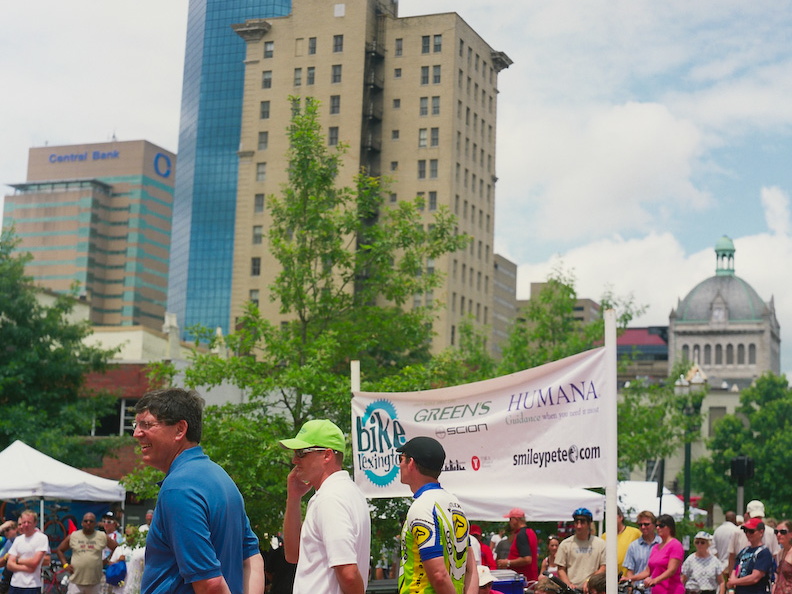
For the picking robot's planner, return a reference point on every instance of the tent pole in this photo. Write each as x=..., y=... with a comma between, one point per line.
x=611, y=564
x=41, y=514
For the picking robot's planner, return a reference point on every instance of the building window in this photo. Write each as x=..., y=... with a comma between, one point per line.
x=394, y=135
x=258, y=203
x=438, y=43
x=332, y=135
x=751, y=354
x=422, y=169
x=257, y=234
x=397, y=73
x=432, y=200
x=394, y=165
x=461, y=48
x=253, y=297
x=425, y=44
x=261, y=172
x=338, y=43
x=255, y=266
x=718, y=354
x=396, y=103
x=263, y=141
x=729, y=354
x=269, y=49
x=435, y=137
x=707, y=354
x=422, y=138
x=297, y=77
x=266, y=79
x=436, y=74
x=424, y=75
x=399, y=47
x=335, y=104
x=433, y=165
x=424, y=106
x=336, y=75
x=394, y=198
x=264, y=112
x=740, y=354
x=435, y=105
x=310, y=75
x=311, y=45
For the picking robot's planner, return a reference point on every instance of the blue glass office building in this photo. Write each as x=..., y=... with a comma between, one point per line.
x=202, y=246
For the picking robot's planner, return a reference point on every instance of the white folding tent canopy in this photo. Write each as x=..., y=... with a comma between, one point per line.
x=546, y=504
x=29, y=473
x=637, y=496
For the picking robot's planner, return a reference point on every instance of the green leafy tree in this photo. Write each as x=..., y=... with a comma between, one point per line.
x=654, y=420
x=761, y=428
x=349, y=265
x=43, y=365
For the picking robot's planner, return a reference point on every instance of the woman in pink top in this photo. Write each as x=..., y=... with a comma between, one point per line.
x=663, y=573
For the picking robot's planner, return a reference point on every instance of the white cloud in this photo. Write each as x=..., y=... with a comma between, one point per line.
x=776, y=205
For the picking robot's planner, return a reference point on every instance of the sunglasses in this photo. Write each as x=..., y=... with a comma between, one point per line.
x=660, y=525
x=644, y=524
x=305, y=451
x=748, y=530
x=781, y=531
x=701, y=542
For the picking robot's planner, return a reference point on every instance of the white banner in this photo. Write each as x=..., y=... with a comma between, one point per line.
x=504, y=438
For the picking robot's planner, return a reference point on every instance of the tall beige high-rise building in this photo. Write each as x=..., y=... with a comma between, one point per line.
x=414, y=98
x=99, y=215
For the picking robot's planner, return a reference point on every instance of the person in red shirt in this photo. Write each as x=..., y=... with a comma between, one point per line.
x=487, y=557
x=523, y=555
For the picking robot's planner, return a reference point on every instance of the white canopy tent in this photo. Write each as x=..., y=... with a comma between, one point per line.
x=29, y=473
x=548, y=504
x=637, y=496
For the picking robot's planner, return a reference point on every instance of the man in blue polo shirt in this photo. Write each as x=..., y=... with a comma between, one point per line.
x=200, y=539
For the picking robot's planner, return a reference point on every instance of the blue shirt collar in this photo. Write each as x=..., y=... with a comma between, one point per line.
x=426, y=487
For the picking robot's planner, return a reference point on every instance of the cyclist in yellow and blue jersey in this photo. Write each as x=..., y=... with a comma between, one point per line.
x=436, y=558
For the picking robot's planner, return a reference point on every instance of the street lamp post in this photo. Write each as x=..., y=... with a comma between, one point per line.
x=689, y=389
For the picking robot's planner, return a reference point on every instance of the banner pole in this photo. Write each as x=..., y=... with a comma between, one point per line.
x=355, y=375
x=611, y=555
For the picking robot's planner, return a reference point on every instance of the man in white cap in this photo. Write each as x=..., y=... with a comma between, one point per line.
x=754, y=509
x=331, y=547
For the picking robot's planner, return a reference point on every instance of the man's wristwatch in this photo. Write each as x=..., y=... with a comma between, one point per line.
x=508, y=563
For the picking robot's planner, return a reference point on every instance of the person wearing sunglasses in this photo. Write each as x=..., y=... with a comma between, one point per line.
x=702, y=572
x=783, y=533
x=663, y=571
x=331, y=547
x=754, y=565
x=637, y=556
x=200, y=539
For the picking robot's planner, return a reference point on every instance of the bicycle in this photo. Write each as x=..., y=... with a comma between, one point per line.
x=54, y=580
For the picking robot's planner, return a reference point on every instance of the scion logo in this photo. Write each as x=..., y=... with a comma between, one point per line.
x=379, y=433
x=442, y=432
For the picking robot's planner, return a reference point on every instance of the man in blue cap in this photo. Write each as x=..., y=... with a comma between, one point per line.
x=331, y=547
x=582, y=554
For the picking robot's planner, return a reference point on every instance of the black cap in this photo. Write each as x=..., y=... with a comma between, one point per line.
x=426, y=451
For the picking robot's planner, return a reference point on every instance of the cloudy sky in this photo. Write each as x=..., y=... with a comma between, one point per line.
x=632, y=134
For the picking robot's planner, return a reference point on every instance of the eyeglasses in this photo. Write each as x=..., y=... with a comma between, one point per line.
x=644, y=524
x=661, y=526
x=748, y=530
x=305, y=451
x=781, y=531
x=144, y=425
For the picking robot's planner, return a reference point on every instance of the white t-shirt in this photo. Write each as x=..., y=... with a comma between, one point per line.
x=25, y=547
x=336, y=531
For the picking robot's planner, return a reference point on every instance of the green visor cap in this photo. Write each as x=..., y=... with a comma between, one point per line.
x=319, y=433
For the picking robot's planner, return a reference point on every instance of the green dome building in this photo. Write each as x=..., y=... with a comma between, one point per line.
x=725, y=327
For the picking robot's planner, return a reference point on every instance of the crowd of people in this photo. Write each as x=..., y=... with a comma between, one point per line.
x=199, y=538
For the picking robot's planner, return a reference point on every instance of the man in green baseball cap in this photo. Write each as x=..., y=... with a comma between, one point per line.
x=332, y=545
